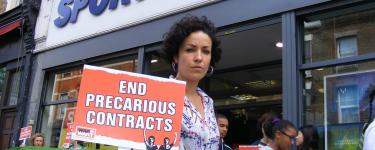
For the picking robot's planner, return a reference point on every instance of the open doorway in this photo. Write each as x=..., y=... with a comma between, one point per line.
x=248, y=80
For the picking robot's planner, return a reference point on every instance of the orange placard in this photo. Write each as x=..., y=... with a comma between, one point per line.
x=26, y=132
x=248, y=147
x=125, y=109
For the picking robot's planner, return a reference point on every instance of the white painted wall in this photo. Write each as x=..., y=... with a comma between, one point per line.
x=48, y=35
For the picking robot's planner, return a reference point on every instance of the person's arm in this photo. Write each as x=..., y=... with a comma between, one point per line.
x=144, y=135
x=175, y=138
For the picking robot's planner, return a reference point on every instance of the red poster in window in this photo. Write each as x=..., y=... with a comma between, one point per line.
x=65, y=132
x=26, y=132
x=127, y=109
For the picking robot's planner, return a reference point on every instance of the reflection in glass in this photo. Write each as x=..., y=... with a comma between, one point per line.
x=338, y=102
x=263, y=84
x=340, y=36
x=52, y=123
x=13, y=88
x=158, y=66
x=66, y=84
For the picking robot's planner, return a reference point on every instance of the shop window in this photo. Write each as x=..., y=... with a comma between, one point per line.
x=307, y=47
x=53, y=117
x=338, y=103
x=329, y=40
x=9, y=87
x=346, y=47
x=63, y=85
x=156, y=65
x=13, y=87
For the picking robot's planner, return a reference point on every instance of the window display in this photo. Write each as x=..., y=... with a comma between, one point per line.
x=61, y=98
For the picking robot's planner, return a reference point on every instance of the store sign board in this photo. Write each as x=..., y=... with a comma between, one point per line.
x=73, y=20
x=26, y=132
x=123, y=109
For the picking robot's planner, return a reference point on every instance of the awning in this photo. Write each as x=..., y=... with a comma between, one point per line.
x=9, y=27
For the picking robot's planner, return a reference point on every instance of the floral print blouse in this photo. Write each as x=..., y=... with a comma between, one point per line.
x=199, y=133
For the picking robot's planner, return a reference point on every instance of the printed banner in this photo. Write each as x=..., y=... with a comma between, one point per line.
x=128, y=110
x=26, y=132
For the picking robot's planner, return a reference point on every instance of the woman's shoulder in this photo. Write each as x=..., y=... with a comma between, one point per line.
x=206, y=98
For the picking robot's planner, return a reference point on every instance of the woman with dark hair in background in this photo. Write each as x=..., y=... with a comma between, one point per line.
x=193, y=51
x=281, y=132
x=310, y=138
x=263, y=142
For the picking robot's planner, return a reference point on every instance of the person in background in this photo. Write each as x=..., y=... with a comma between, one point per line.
x=264, y=141
x=369, y=136
x=299, y=138
x=37, y=140
x=281, y=132
x=223, y=124
x=309, y=139
x=192, y=49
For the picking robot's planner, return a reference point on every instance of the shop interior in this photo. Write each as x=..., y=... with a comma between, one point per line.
x=247, y=81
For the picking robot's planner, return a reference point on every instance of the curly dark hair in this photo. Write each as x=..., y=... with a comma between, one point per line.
x=182, y=29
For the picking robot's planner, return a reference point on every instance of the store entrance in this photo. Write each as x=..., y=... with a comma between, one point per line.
x=248, y=78
x=247, y=81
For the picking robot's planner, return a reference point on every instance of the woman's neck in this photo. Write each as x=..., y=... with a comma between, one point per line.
x=191, y=86
x=191, y=89
x=273, y=145
x=265, y=140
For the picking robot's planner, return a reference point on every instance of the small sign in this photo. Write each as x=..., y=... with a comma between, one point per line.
x=249, y=147
x=26, y=132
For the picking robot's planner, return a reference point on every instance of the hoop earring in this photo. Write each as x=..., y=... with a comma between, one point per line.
x=210, y=71
x=174, y=67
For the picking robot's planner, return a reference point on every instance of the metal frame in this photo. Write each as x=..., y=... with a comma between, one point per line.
x=290, y=71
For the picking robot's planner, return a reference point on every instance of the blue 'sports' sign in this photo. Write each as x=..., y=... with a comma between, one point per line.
x=68, y=14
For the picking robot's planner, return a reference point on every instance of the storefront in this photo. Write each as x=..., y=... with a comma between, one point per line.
x=307, y=61
x=17, y=24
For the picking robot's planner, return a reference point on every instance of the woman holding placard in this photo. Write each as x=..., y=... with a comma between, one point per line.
x=193, y=50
